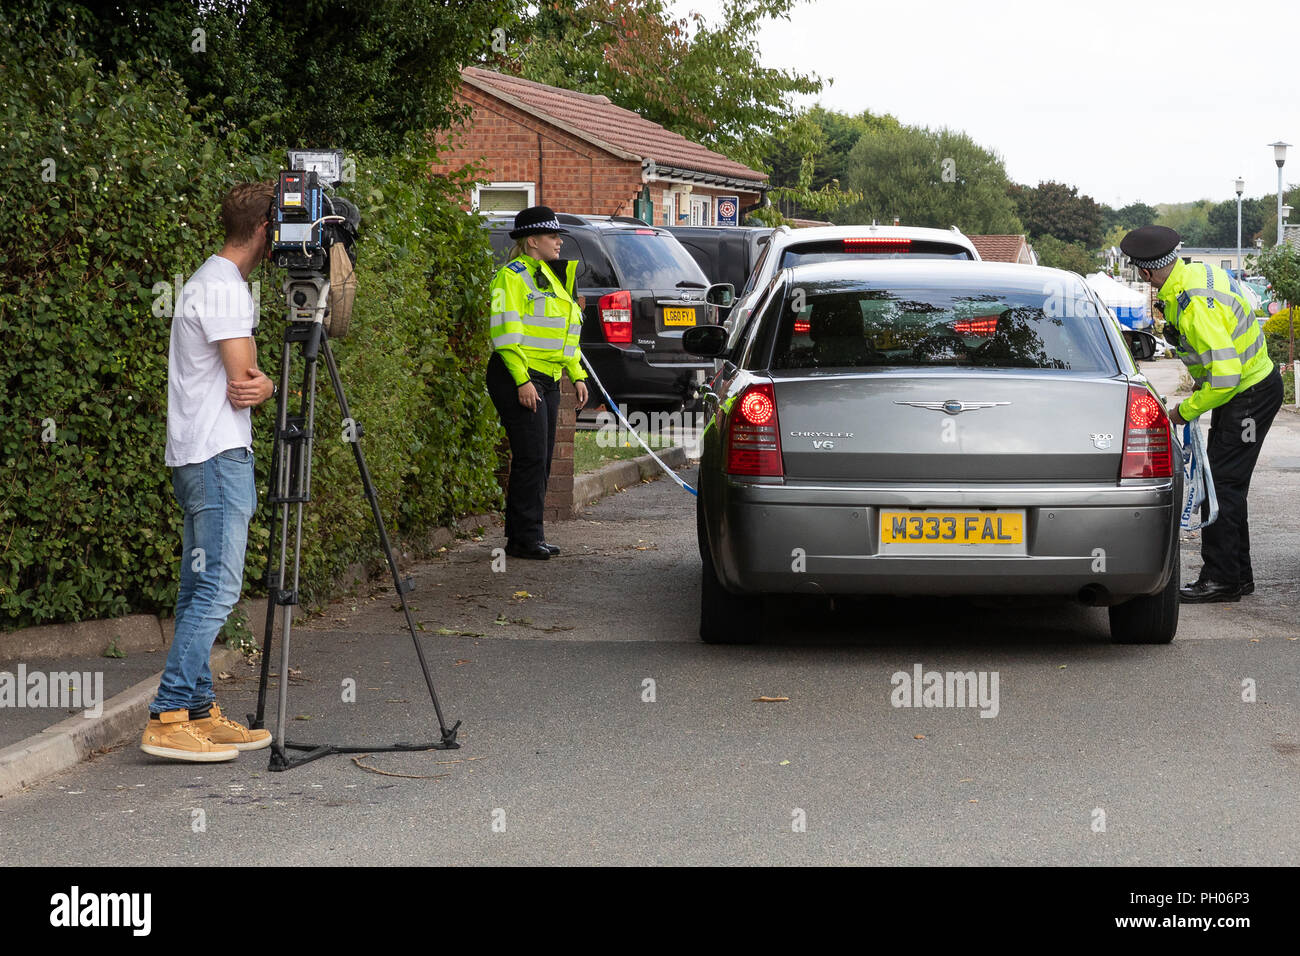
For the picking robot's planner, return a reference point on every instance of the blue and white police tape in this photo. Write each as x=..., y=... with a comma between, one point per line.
x=1198, y=482
x=610, y=404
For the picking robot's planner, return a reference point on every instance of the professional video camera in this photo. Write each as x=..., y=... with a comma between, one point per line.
x=314, y=239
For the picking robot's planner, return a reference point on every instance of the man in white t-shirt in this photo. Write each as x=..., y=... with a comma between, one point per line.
x=212, y=384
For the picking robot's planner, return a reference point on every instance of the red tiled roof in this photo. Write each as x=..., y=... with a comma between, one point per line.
x=998, y=248
x=599, y=121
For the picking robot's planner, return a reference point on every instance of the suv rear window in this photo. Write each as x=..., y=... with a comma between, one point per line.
x=864, y=328
x=651, y=260
x=833, y=250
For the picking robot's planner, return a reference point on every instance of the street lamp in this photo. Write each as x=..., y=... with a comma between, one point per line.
x=1286, y=216
x=1241, y=186
x=1279, y=157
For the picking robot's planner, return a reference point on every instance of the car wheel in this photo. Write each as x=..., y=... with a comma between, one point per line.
x=1152, y=619
x=725, y=618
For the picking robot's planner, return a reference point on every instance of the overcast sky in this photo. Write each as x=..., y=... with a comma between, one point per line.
x=1064, y=95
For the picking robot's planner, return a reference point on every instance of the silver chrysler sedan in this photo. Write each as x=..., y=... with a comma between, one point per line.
x=921, y=427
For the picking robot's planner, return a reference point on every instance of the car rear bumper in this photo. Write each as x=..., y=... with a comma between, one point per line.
x=1102, y=543
x=631, y=378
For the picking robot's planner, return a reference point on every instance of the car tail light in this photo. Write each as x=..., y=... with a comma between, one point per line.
x=753, y=436
x=802, y=326
x=877, y=244
x=976, y=327
x=1147, y=450
x=616, y=317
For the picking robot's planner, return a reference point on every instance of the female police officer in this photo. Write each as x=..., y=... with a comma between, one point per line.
x=536, y=319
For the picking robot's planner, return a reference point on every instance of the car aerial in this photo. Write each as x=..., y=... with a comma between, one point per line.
x=785, y=248
x=642, y=291
x=914, y=428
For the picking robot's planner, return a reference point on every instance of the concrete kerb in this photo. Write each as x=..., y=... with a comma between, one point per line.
x=608, y=479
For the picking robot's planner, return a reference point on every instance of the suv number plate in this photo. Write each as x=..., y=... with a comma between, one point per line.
x=679, y=316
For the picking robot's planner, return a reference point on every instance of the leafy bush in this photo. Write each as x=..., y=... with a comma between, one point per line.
x=1277, y=335
x=112, y=186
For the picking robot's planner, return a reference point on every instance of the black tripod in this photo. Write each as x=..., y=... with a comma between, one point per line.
x=307, y=297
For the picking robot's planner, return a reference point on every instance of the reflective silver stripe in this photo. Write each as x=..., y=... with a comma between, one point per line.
x=503, y=339
x=550, y=321
x=1214, y=355
x=570, y=350
x=544, y=342
x=538, y=298
x=501, y=318
x=1224, y=381
x=1250, y=350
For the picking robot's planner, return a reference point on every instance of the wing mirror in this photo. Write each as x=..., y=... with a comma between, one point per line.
x=706, y=341
x=721, y=294
x=1142, y=345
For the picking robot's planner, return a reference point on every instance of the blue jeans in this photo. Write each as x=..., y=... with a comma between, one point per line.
x=218, y=497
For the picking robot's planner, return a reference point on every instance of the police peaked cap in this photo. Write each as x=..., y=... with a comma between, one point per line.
x=1151, y=247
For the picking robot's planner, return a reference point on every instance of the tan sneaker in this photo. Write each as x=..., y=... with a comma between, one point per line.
x=175, y=736
x=224, y=731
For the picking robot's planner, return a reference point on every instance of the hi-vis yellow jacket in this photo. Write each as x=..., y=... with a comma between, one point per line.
x=536, y=321
x=1221, y=343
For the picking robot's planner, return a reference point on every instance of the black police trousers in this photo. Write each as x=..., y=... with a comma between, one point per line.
x=532, y=442
x=1237, y=430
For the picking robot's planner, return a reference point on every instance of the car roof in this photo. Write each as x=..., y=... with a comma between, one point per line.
x=938, y=272
x=923, y=233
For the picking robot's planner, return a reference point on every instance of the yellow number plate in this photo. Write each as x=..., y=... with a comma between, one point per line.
x=952, y=527
x=679, y=316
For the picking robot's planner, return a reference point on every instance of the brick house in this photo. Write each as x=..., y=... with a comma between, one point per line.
x=579, y=153
x=1004, y=249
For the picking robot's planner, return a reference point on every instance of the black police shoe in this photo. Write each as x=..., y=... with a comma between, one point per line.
x=1247, y=587
x=551, y=548
x=533, y=552
x=1209, y=592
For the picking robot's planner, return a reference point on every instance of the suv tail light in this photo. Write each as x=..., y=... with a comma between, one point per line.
x=753, y=436
x=616, y=317
x=1147, y=451
x=977, y=328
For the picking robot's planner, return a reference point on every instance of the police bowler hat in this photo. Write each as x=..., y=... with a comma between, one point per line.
x=536, y=220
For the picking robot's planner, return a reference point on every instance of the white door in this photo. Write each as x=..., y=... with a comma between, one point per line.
x=700, y=212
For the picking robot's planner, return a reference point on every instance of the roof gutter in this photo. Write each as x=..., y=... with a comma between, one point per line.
x=653, y=172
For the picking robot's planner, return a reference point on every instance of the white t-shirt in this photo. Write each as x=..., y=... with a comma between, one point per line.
x=214, y=305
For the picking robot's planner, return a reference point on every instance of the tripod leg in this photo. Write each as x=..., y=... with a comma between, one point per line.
x=275, y=488
x=448, y=734
x=300, y=493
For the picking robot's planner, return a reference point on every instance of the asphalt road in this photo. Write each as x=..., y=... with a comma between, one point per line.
x=1098, y=754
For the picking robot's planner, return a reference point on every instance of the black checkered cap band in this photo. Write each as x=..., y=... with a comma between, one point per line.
x=550, y=225
x=1165, y=260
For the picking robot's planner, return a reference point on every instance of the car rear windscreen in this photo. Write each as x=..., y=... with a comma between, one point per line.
x=651, y=260
x=834, y=250
x=838, y=327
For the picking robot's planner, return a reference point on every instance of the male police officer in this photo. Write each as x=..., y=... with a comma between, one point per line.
x=1209, y=322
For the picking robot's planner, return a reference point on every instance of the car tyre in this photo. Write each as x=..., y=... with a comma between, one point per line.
x=725, y=618
x=1152, y=619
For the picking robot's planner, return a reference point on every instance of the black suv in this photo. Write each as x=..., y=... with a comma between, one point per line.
x=725, y=253
x=643, y=290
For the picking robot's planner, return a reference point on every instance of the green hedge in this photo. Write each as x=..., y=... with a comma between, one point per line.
x=88, y=524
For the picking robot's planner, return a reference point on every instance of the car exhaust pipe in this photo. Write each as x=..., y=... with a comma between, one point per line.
x=1094, y=595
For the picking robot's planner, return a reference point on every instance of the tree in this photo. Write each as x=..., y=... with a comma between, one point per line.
x=929, y=178
x=808, y=158
x=704, y=81
x=1191, y=220
x=359, y=76
x=1055, y=209
x=1133, y=216
x=1071, y=256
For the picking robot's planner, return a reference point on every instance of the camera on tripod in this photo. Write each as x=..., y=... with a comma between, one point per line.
x=314, y=238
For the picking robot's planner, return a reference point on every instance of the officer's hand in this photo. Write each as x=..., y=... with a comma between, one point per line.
x=581, y=389
x=1171, y=334
x=528, y=396
x=1175, y=418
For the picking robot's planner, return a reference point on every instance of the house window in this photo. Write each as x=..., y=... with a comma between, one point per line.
x=503, y=197
x=700, y=212
x=1225, y=264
